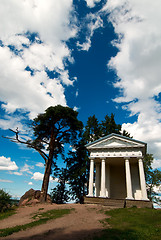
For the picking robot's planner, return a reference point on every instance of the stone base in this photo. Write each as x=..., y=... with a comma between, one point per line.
x=139, y=203
x=118, y=203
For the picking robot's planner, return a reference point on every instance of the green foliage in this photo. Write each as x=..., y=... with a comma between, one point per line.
x=77, y=171
x=109, y=126
x=42, y=219
x=60, y=194
x=153, y=178
x=92, y=129
x=5, y=201
x=133, y=224
x=54, y=128
x=7, y=213
x=78, y=161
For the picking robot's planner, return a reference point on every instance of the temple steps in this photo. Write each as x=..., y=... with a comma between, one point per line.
x=117, y=203
x=114, y=203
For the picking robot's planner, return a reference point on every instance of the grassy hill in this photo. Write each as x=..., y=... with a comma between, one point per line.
x=132, y=224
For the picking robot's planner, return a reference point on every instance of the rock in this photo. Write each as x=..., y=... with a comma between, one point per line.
x=32, y=197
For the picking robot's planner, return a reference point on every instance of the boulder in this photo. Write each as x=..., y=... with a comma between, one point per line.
x=32, y=197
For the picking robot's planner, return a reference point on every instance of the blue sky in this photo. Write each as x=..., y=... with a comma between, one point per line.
x=98, y=57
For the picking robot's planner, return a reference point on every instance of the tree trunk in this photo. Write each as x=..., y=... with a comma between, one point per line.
x=48, y=166
x=45, y=183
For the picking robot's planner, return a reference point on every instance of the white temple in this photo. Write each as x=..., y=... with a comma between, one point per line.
x=116, y=168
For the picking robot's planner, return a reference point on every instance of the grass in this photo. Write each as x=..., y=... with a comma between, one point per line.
x=7, y=213
x=133, y=224
x=41, y=219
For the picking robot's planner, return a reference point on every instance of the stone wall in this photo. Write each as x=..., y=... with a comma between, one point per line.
x=118, y=203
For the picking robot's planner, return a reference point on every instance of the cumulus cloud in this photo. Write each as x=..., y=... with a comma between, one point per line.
x=137, y=65
x=39, y=176
x=23, y=170
x=7, y=164
x=32, y=45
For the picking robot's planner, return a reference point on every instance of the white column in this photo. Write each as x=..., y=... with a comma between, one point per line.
x=107, y=180
x=91, y=174
x=103, y=178
x=97, y=180
x=142, y=180
x=128, y=180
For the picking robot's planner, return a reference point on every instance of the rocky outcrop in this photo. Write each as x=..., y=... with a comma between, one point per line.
x=32, y=197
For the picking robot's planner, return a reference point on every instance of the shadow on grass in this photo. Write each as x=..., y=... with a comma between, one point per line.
x=61, y=234
x=115, y=234
x=94, y=234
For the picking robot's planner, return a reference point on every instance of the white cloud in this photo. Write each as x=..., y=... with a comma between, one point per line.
x=26, y=169
x=40, y=164
x=54, y=23
x=30, y=183
x=156, y=164
x=16, y=173
x=94, y=22
x=77, y=93
x=76, y=108
x=6, y=181
x=92, y=3
x=39, y=176
x=137, y=65
x=7, y=164
x=23, y=170
x=9, y=121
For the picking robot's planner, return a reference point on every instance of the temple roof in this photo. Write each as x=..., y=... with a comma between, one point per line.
x=115, y=141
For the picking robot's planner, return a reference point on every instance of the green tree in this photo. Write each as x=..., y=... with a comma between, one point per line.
x=5, y=201
x=152, y=176
x=60, y=194
x=77, y=171
x=109, y=126
x=54, y=128
x=92, y=129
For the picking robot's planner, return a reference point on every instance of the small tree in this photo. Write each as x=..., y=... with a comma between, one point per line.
x=5, y=201
x=52, y=129
x=92, y=129
x=109, y=126
x=153, y=178
x=60, y=194
x=77, y=171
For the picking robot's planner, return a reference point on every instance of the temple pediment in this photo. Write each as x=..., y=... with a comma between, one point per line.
x=115, y=141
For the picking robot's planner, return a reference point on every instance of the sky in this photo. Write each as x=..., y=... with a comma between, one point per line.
x=95, y=56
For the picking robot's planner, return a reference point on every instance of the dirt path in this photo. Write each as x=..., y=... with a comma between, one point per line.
x=82, y=223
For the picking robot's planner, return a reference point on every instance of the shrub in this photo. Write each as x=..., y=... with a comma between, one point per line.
x=5, y=201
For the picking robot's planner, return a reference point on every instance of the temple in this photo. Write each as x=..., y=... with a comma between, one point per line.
x=116, y=169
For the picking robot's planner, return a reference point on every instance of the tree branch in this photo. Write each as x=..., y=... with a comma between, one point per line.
x=28, y=143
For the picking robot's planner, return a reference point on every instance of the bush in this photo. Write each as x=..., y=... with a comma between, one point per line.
x=5, y=201
x=59, y=194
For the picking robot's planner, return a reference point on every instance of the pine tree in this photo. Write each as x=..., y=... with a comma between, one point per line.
x=54, y=128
